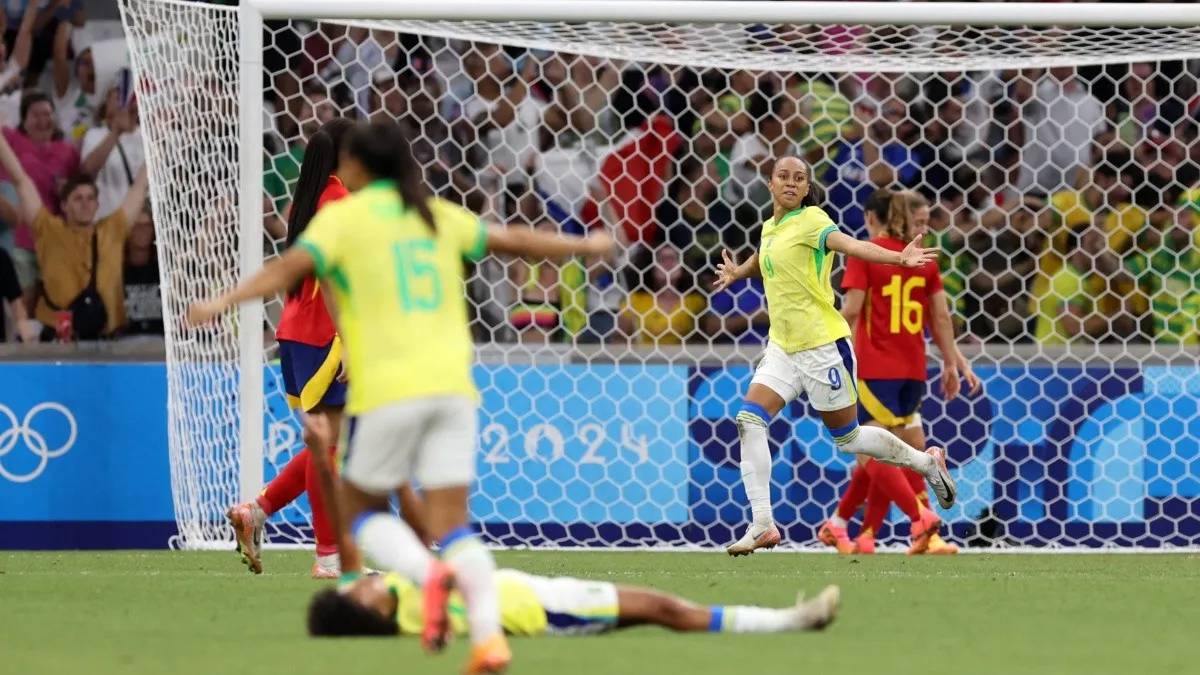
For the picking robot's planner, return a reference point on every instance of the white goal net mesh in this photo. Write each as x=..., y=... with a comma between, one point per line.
x=1063, y=171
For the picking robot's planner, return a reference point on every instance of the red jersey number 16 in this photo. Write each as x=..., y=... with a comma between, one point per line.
x=905, y=310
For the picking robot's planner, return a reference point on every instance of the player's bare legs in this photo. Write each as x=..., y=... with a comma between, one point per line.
x=644, y=606
x=760, y=405
x=470, y=566
x=321, y=487
x=886, y=447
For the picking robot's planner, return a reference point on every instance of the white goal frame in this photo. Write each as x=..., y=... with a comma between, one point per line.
x=252, y=13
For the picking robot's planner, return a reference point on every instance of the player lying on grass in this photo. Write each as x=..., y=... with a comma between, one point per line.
x=533, y=605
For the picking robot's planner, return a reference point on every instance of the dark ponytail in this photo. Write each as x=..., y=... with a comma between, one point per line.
x=384, y=151
x=320, y=161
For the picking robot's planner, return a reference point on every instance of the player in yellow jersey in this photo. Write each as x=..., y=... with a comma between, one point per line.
x=807, y=349
x=393, y=256
x=532, y=605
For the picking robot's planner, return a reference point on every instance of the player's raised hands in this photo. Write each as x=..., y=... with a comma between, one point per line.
x=727, y=271
x=914, y=255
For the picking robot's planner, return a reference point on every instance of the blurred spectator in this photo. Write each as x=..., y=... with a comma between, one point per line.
x=12, y=301
x=1061, y=121
x=12, y=74
x=67, y=247
x=1166, y=266
x=46, y=161
x=505, y=114
x=751, y=159
x=143, y=295
x=357, y=58
x=1066, y=311
x=112, y=151
x=693, y=218
x=535, y=317
x=75, y=95
x=870, y=154
x=1004, y=265
x=827, y=113
x=1141, y=106
x=284, y=168
x=632, y=175
x=738, y=314
x=664, y=308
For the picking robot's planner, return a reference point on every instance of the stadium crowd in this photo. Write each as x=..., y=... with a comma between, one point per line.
x=1065, y=200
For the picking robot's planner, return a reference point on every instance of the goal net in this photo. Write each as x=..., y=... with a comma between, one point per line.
x=1062, y=168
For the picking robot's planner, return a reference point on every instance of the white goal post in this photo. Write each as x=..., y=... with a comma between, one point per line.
x=1041, y=491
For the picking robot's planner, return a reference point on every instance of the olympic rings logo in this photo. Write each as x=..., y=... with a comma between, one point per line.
x=34, y=441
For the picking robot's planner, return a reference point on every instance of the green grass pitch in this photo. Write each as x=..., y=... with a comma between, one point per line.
x=181, y=613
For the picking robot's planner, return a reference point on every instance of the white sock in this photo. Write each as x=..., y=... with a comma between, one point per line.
x=475, y=572
x=886, y=447
x=838, y=521
x=755, y=620
x=391, y=543
x=331, y=561
x=756, y=466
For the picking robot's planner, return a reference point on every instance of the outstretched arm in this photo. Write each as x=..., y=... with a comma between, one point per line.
x=913, y=255
x=277, y=275
x=135, y=199
x=30, y=202
x=529, y=243
x=62, y=63
x=23, y=47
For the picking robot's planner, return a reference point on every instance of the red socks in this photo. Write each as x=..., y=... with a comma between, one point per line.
x=322, y=529
x=877, y=508
x=300, y=475
x=287, y=485
x=894, y=487
x=856, y=493
x=917, y=482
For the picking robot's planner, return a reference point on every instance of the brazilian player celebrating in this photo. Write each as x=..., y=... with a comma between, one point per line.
x=807, y=349
x=394, y=258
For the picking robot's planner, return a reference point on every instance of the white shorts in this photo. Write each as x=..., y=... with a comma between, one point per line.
x=574, y=606
x=828, y=374
x=429, y=440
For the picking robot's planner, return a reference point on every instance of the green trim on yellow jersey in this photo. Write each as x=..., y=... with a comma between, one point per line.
x=479, y=249
x=825, y=235
x=819, y=252
x=319, y=264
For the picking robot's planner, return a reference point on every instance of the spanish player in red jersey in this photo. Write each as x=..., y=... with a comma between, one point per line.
x=310, y=356
x=889, y=308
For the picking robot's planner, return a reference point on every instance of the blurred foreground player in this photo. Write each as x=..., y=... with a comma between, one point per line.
x=394, y=257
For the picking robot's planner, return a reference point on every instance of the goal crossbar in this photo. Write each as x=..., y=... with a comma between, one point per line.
x=669, y=11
